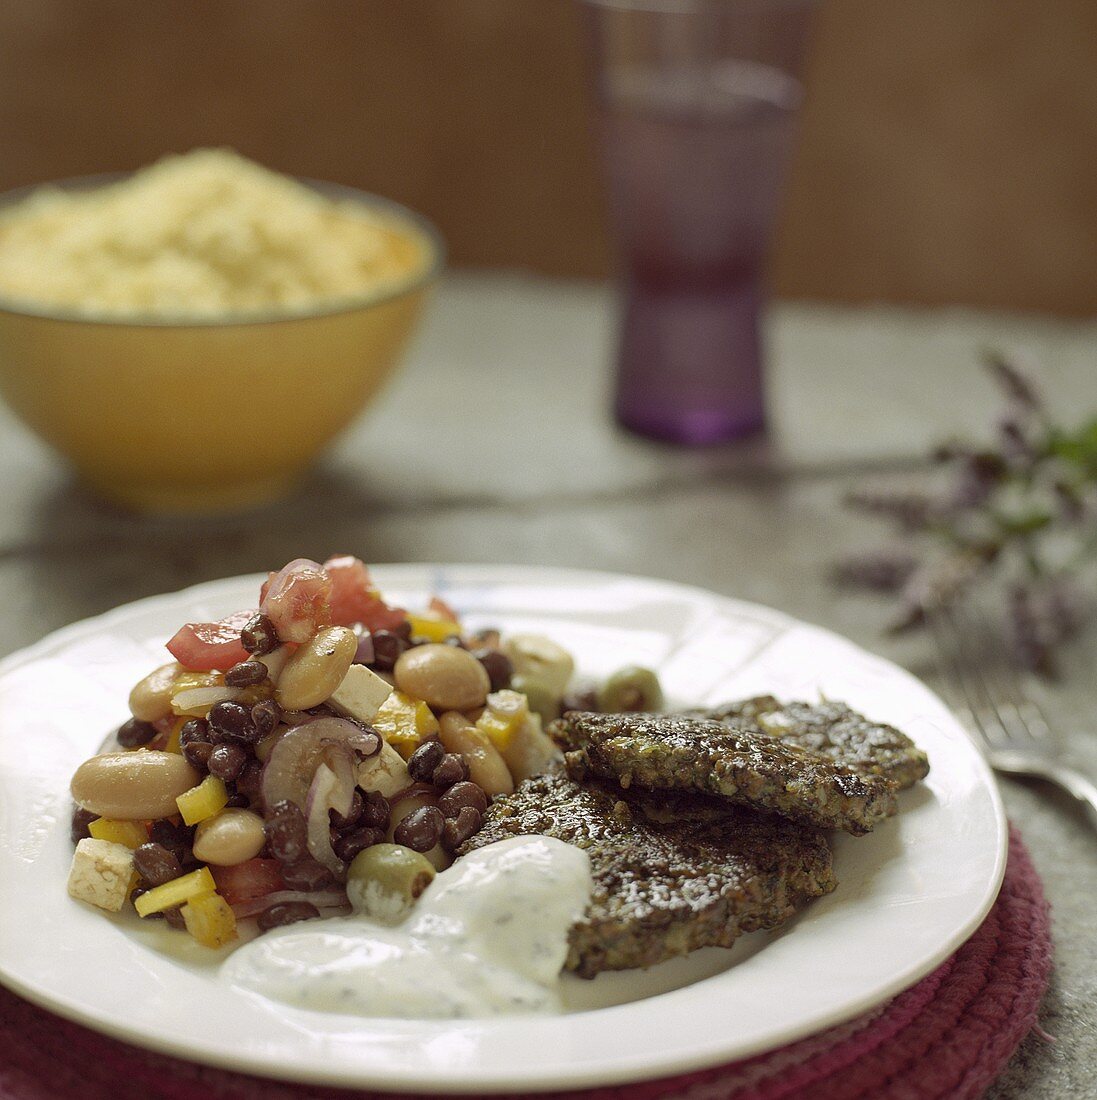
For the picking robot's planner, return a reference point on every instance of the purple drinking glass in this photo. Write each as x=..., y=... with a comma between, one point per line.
x=696, y=104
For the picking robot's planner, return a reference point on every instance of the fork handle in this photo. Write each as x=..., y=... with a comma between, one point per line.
x=1083, y=790
x=1076, y=785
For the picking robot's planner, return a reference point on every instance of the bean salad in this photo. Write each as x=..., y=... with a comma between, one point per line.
x=323, y=752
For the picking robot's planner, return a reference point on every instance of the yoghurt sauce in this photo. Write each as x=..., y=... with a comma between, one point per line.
x=487, y=938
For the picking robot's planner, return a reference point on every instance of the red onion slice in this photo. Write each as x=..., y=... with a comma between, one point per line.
x=322, y=899
x=197, y=702
x=332, y=789
x=411, y=791
x=364, y=655
x=293, y=761
x=297, y=600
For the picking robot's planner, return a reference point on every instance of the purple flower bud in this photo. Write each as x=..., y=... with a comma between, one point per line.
x=1016, y=386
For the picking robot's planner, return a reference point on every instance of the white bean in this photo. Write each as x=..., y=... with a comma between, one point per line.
x=232, y=836
x=316, y=669
x=150, y=699
x=445, y=677
x=487, y=768
x=133, y=786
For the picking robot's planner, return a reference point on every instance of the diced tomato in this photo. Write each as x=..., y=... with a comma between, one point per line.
x=211, y=647
x=251, y=879
x=354, y=599
x=297, y=600
x=349, y=579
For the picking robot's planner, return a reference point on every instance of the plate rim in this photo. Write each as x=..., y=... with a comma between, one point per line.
x=622, y=1071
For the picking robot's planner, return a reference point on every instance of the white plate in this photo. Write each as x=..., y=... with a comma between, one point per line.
x=909, y=894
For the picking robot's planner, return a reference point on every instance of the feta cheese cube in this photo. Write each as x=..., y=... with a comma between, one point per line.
x=360, y=694
x=101, y=873
x=384, y=772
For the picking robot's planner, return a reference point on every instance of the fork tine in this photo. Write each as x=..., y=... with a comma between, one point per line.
x=1002, y=680
x=970, y=641
x=1034, y=721
x=1032, y=750
x=955, y=671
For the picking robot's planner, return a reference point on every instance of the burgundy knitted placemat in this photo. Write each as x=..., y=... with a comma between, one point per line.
x=948, y=1036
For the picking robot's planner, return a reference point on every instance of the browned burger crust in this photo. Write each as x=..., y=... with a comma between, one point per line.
x=686, y=753
x=833, y=730
x=671, y=873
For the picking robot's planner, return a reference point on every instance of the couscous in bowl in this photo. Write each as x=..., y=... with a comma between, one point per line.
x=209, y=413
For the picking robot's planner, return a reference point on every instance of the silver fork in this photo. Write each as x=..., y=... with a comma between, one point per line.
x=1007, y=724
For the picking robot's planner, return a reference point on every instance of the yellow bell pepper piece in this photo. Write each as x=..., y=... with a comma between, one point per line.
x=187, y=680
x=403, y=722
x=256, y=693
x=210, y=920
x=173, y=738
x=130, y=833
x=203, y=801
x=503, y=717
x=433, y=629
x=177, y=892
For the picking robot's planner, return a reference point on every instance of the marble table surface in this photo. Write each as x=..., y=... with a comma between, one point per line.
x=494, y=444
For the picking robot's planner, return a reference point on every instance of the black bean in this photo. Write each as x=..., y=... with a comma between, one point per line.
x=424, y=760
x=266, y=715
x=458, y=829
x=194, y=729
x=134, y=733
x=259, y=636
x=403, y=631
x=174, y=917
x=176, y=838
x=286, y=912
x=197, y=754
x=350, y=844
x=453, y=768
x=231, y=721
x=81, y=819
x=421, y=829
x=307, y=874
x=245, y=674
x=376, y=810
x=155, y=864
x=460, y=795
x=238, y=801
x=497, y=665
x=250, y=781
x=226, y=761
x=342, y=822
x=287, y=833
x=387, y=648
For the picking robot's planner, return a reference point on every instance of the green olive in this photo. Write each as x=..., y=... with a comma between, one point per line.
x=630, y=689
x=541, y=698
x=538, y=656
x=385, y=880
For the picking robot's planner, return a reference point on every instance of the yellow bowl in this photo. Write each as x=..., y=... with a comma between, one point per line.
x=208, y=416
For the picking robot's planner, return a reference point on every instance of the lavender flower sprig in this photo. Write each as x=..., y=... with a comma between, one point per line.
x=1018, y=518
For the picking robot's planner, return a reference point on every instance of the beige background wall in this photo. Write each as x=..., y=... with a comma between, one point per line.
x=949, y=147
